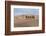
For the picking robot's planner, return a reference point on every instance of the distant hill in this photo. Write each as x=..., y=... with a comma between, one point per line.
x=24, y=16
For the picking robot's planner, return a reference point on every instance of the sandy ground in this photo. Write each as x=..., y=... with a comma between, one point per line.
x=25, y=22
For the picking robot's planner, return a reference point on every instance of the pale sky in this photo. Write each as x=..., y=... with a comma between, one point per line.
x=22, y=11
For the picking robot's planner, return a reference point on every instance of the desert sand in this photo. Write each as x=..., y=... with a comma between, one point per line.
x=21, y=21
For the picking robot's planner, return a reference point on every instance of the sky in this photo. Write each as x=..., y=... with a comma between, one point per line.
x=22, y=11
